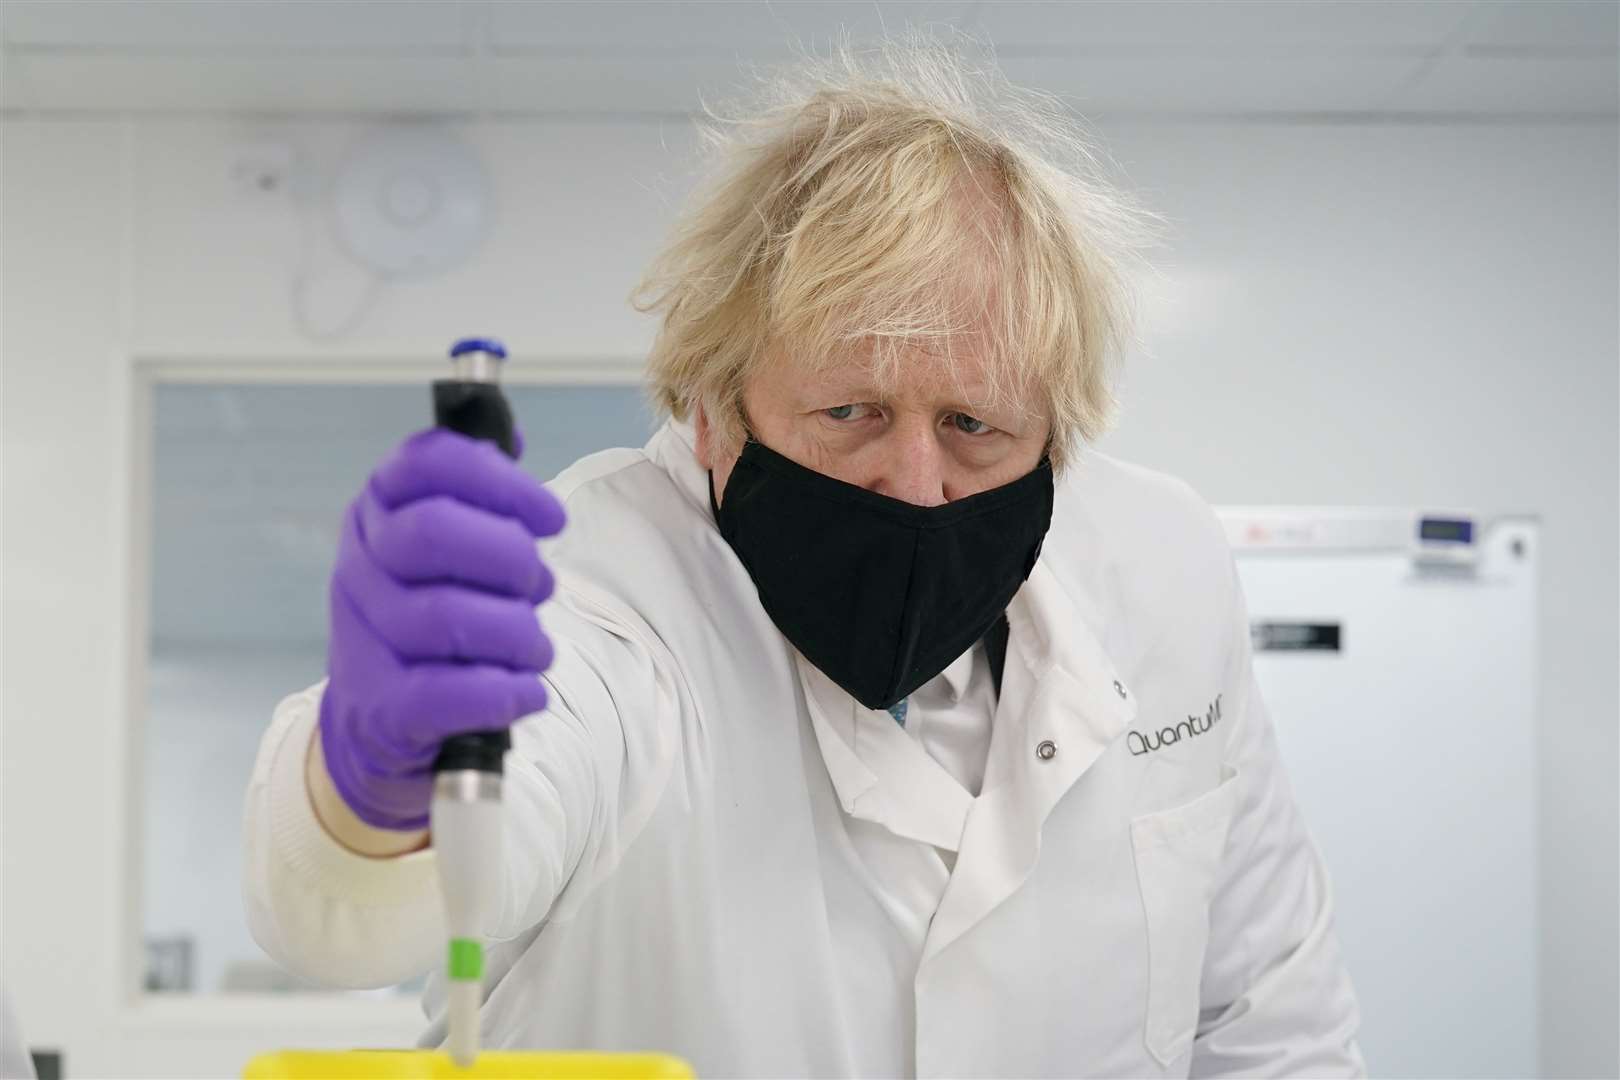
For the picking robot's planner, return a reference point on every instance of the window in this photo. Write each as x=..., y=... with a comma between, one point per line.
x=248, y=485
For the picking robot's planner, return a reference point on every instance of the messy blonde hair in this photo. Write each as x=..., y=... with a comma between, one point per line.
x=905, y=196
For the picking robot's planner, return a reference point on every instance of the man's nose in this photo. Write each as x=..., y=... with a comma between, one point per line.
x=912, y=468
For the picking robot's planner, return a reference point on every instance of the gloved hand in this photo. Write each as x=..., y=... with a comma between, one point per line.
x=433, y=623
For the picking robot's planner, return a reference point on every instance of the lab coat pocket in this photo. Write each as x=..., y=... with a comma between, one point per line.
x=1178, y=857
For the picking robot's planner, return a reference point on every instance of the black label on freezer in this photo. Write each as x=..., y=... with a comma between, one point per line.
x=1295, y=637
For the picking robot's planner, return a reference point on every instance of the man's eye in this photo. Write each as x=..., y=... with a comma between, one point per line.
x=969, y=425
x=841, y=412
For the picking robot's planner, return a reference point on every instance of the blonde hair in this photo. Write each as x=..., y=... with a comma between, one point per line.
x=840, y=212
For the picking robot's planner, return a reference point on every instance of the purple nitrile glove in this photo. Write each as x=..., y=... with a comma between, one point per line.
x=434, y=630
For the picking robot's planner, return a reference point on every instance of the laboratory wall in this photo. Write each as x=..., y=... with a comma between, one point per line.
x=197, y=758
x=1345, y=313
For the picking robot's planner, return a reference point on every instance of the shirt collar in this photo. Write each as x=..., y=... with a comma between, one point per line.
x=959, y=673
x=879, y=773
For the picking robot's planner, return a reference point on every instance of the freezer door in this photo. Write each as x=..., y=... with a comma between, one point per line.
x=1403, y=695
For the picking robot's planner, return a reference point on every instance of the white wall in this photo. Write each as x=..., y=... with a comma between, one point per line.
x=1424, y=315
x=1355, y=314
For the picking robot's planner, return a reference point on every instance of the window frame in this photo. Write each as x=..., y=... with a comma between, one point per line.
x=316, y=1018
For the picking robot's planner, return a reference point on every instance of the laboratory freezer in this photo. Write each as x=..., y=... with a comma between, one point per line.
x=1396, y=654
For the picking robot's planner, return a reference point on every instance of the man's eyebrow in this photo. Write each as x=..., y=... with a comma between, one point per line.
x=977, y=396
x=853, y=386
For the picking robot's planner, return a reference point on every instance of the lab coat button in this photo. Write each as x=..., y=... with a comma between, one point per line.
x=1118, y=689
x=1047, y=750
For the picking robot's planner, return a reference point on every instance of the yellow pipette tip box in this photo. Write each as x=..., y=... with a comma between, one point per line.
x=436, y=1065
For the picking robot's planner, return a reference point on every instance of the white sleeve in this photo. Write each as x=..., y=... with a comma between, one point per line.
x=1276, y=998
x=581, y=780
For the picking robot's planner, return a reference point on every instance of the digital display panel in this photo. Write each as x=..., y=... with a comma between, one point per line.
x=1269, y=636
x=1458, y=532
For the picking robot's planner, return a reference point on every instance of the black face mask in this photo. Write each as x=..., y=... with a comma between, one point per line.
x=879, y=594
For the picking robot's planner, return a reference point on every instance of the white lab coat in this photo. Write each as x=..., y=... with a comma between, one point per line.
x=714, y=851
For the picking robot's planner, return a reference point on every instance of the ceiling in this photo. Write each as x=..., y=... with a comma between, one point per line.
x=1554, y=59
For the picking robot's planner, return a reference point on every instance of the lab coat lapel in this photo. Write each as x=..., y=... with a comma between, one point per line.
x=1059, y=687
x=903, y=807
x=833, y=718
x=880, y=773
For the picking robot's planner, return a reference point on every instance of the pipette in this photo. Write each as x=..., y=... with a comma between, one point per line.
x=466, y=813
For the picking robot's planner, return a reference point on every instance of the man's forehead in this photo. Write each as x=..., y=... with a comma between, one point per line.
x=906, y=371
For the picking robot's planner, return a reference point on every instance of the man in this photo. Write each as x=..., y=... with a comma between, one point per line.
x=880, y=727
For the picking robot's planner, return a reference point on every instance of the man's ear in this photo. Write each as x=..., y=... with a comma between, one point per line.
x=705, y=436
